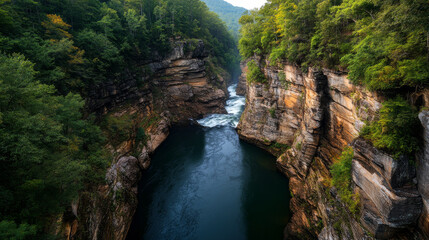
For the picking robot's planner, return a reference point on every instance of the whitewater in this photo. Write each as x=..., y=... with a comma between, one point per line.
x=234, y=107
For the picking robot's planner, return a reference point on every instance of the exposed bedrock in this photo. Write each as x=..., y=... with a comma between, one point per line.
x=317, y=114
x=170, y=91
x=423, y=173
x=392, y=200
x=241, y=85
x=181, y=83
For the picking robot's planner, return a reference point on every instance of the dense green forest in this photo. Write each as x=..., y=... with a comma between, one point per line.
x=228, y=13
x=51, y=53
x=382, y=44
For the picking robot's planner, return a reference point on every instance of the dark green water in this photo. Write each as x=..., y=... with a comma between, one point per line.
x=204, y=183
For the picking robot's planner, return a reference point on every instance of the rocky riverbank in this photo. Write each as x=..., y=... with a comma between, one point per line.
x=171, y=90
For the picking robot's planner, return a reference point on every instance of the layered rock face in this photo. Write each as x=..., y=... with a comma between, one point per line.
x=391, y=198
x=186, y=86
x=423, y=173
x=241, y=85
x=180, y=83
x=317, y=114
x=172, y=91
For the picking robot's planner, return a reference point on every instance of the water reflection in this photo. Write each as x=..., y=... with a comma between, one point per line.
x=265, y=195
x=204, y=183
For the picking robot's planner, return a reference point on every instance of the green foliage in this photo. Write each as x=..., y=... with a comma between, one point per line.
x=280, y=147
x=341, y=172
x=52, y=53
x=10, y=231
x=141, y=136
x=282, y=78
x=272, y=112
x=228, y=13
x=48, y=152
x=299, y=146
x=118, y=128
x=382, y=44
x=396, y=130
x=249, y=43
x=254, y=73
x=78, y=44
x=338, y=228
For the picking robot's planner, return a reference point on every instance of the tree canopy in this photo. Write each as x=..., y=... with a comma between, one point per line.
x=228, y=13
x=381, y=44
x=52, y=52
x=78, y=43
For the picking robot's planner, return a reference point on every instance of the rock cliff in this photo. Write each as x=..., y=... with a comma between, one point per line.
x=313, y=115
x=171, y=90
x=241, y=85
x=422, y=173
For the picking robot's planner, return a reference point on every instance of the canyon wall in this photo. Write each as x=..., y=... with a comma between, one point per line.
x=171, y=90
x=313, y=115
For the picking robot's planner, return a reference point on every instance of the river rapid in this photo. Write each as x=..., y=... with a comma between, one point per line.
x=204, y=183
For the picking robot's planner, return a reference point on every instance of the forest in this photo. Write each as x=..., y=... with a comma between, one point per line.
x=52, y=52
x=383, y=45
x=228, y=13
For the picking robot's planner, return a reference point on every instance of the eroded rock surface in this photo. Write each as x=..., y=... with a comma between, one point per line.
x=180, y=83
x=387, y=183
x=317, y=114
x=241, y=85
x=172, y=90
x=423, y=173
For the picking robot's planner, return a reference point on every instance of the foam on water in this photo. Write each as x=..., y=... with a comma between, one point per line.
x=234, y=107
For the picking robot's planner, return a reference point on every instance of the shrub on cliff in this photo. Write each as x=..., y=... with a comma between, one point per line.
x=254, y=73
x=341, y=172
x=396, y=129
x=118, y=128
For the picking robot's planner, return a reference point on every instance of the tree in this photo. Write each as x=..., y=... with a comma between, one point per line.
x=46, y=148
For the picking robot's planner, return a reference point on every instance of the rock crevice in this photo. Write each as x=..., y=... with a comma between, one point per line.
x=317, y=113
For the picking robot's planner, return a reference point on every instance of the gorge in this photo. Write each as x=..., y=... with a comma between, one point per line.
x=155, y=119
x=206, y=184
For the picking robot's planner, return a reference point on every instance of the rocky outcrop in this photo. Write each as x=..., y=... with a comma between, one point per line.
x=241, y=85
x=181, y=83
x=422, y=173
x=317, y=113
x=186, y=85
x=392, y=198
x=170, y=91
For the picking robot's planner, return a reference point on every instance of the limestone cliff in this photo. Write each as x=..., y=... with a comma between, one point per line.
x=316, y=114
x=170, y=90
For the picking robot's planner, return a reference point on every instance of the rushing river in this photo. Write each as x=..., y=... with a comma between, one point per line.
x=204, y=183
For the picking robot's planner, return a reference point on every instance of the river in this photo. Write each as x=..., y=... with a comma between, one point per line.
x=204, y=183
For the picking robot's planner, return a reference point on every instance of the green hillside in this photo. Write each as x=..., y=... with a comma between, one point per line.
x=228, y=13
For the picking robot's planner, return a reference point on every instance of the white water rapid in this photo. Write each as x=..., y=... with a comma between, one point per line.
x=234, y=107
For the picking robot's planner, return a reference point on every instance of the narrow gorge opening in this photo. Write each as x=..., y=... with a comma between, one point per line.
x=205, y=183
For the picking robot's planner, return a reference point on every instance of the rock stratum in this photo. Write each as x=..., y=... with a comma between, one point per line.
x=316, y=114
x=171, y=90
